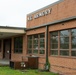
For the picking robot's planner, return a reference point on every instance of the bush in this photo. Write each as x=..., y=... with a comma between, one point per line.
x=47, y=66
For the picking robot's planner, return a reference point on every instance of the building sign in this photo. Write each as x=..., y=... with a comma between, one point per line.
x=43, y=13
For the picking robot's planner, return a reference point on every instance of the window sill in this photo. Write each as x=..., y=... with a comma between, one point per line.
x=38, y=55
x=18, y=53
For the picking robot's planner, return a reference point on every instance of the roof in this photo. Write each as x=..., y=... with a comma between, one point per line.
x=8, y=27
x=6, y=31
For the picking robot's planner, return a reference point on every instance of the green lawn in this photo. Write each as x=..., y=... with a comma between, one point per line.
x=8, y=71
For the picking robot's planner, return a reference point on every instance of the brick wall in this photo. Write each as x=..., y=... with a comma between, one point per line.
x=64, y=65
x=59, y=11
x=1, y=53
x=17, y=56
x=61, y=64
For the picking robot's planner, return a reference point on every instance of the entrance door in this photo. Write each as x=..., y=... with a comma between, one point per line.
x=7, y=49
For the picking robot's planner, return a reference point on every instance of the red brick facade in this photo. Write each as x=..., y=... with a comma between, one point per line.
x=56, y=21
x=60, y=11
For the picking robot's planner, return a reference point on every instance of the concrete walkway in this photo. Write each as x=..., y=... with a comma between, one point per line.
x=4, y=62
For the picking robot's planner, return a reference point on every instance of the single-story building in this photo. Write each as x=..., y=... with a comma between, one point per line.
x=50, y=36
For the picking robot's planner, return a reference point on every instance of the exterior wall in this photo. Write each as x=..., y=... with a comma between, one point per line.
x=62, y=26
x=58, y=63
x=61, y=10
x=17, y=56
x=1, y=53
x=36, y=31
x=63, y=64
x=41, y=61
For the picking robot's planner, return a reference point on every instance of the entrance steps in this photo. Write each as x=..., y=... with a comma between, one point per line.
x=4, y=62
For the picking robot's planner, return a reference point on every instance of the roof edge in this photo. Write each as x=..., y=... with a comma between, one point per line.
x=45, y=7
x=8, y=27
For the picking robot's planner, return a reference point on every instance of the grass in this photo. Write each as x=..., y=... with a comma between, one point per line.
x=8, y=71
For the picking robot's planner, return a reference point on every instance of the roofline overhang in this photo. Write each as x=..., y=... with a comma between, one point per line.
x=6, y=31
x=8, y=27
x=53, y=23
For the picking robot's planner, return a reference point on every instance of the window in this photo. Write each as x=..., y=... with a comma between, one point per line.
x=54, y=43
x=36, y=44
x=73, y=37
x=35, y=51
x=64, y=42
x=42, y=43
x=29, y=44
x=18, y=44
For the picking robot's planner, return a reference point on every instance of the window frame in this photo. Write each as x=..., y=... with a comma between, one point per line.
x=54, y=49
x=38, y=44
x=16, y=43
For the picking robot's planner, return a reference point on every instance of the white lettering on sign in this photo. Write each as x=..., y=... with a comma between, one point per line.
x=29, y=18
x=43, y=13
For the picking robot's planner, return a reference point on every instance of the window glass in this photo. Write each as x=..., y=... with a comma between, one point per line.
x=18, y=44
x=35, y=51
x=42, y=51
x=42, y=44
x=64, y=42
x=35, y=36
x=54, y=52
x=64, y=39
x=64, y=33
x=73, y=32
x=29, y=37
x=54, y=43
x=42, y=35
x=29, y=44
x=54, y=46
x=73, y=53
x=54, y=39
x=29, y=51
x=36, y=43
x=54, y=34
x=64, y=52
x=73, y=42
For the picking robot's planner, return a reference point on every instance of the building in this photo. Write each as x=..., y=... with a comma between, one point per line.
x=50, y=35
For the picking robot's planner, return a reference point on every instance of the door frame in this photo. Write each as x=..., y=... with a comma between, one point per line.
x=9, y=39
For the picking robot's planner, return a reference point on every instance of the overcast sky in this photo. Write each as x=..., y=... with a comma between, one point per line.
x=13, y=12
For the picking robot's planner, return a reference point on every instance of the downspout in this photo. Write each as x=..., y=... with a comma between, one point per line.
x=47, y=61
x=46, y=44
